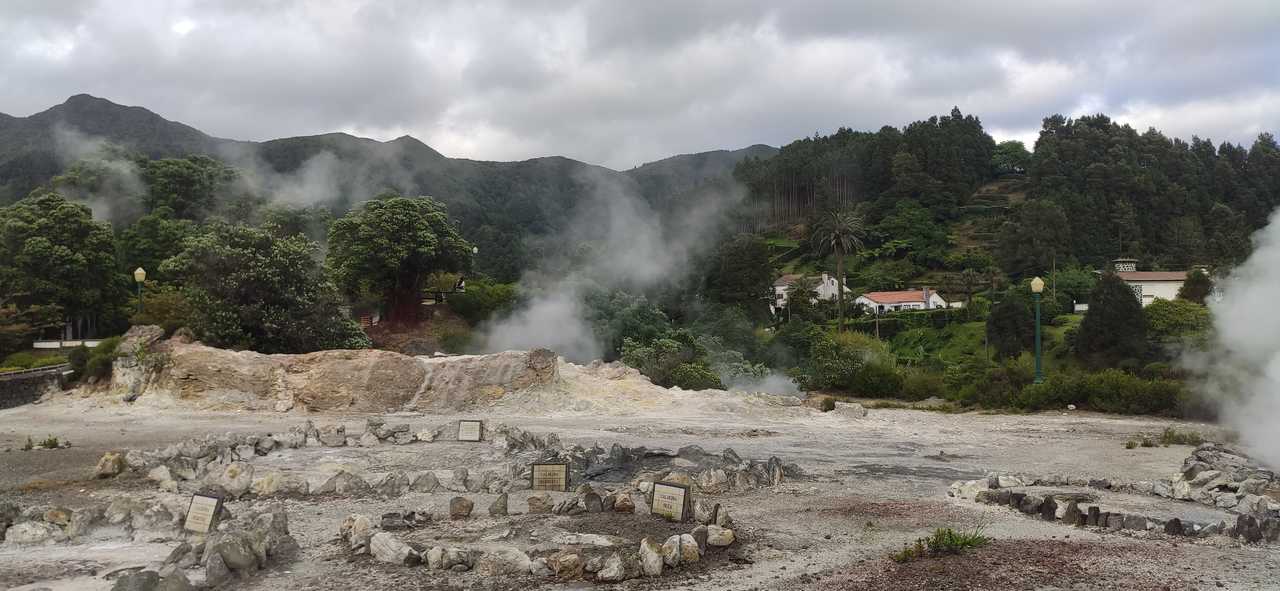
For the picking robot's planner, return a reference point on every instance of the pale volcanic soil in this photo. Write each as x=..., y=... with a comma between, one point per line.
x=874, y=484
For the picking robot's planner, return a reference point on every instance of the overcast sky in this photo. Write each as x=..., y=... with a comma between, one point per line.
x=622, y=83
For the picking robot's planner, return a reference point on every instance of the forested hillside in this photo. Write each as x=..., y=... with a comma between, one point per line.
x=498, y=204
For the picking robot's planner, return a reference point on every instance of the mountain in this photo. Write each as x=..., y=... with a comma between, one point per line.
x=496, y=203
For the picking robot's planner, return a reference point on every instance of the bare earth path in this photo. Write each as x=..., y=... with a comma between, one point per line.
x=877, y=483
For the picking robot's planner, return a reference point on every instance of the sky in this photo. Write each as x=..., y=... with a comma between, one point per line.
x=623, y=83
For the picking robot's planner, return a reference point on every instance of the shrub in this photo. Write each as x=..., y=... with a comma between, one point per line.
x=482, y=300
x=20, y=359
x=943, y=541
x=1173, y=321
x=78, y=358
x=1000, y=385
x=455, y=341
x=1110, y=390
x=695, y=376
x=919, y=385
x=1131, y=444
x=165, y=307
x=878, y=379
x=1171, y=436
x=850, y=362
x=101, y=358
x=828, y=404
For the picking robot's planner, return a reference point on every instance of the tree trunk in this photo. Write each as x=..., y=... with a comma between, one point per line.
x=839, y=291
x=402, y=306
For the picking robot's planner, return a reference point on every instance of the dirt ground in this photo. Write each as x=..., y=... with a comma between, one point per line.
x=875, y=484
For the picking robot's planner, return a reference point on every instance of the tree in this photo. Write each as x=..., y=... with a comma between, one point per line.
x=1011, y=326
x=483, y=299
x=52, y=252
x=1029, y=242
x=389, y=246
x=1010, y=156
x=152, y=239
x=191, y=187
x=839, y=233
x=927, y=241
x=1114, y=329
x=968, y=282
x=673, y=360
x=739, y=273
x=1196, y=288
x=249, y=289
x=18, y=328
x=801, y=295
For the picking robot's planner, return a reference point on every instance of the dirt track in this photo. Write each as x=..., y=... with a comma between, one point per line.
x=877, y=483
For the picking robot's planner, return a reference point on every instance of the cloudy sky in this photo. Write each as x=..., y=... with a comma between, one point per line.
x=621, y=83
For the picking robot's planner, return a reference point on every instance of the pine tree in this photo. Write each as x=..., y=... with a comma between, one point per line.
x=1114, y=329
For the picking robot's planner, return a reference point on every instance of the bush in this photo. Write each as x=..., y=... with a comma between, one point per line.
x=919, y=385
x=455, y=341
x=100, y=359
x=878, y=379
x=1000, y=385
x=828, y=404
x=482, y=300
x=943, y=541
x=850, y=362
x=1110, y=390
x=165, y=307
x=78, y=358
x=695, y=376
x=48, y=361
x=21, y=359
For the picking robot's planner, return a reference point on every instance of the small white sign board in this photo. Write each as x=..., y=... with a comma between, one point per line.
x=670, y=501
x=549, y=477
x=470, y=430
x=202, y=514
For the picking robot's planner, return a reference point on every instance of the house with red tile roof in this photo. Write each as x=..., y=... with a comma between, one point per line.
x=880, y=302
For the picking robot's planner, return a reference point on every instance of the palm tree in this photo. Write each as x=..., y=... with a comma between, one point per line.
x=840, y=233
x=800, y=295
x=969, y=280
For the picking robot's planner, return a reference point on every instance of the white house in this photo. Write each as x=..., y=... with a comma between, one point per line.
x=1149, y=285
x=879, y=302
x=826, y=289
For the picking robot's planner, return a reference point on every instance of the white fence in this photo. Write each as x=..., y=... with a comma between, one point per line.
x=90, y=343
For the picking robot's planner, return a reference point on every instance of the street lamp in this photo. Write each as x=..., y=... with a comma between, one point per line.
x=1037, y=286
x=139, y=275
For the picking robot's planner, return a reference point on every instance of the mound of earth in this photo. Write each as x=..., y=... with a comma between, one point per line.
x=177, y=371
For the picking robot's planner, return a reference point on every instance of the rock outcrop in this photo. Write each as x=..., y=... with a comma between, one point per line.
x=341, y=380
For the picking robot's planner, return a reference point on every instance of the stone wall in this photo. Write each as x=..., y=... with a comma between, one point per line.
x=27, y=388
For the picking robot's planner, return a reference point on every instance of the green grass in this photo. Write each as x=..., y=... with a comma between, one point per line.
x=942, y=542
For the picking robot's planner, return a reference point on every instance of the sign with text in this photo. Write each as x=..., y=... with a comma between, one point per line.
x=470, y=430
x=549, y=477
x=202, y=515
x=670, y=500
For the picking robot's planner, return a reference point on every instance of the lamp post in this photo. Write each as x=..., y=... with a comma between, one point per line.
x=139, y=275
x=1037, y=286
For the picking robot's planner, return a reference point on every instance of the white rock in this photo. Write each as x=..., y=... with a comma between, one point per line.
x=388, y=548
x=30, y=532
x=650, y=558
x=719, y=536
x=614, y=570
x=503, y=560
x=159, y=474
x=538, y=567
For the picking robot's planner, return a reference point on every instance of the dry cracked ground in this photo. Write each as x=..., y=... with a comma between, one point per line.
x=874, y=484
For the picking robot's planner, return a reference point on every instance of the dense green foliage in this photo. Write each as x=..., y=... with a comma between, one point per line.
x=483, y=299
x=1174, y=321
x=1197, y=287
x=20, y=326
x=390, y=246
x=1011, y=326
x=251, y=290
x=1115, y=329
x=673, y=360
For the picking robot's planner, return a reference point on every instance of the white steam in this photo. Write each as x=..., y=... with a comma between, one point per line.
x=1242, y=369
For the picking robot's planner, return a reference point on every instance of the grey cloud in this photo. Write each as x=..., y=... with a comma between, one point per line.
x=623, y=83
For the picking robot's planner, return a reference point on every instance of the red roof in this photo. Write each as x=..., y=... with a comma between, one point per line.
x=1153, y=275
x=787, y=279
x=895, y=297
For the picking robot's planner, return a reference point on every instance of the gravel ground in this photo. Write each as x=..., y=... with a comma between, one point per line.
x=876, y=484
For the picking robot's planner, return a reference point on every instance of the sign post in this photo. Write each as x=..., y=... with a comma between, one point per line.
x=202, y=514
x=671, y=501
x=469, y=430
x=554, y=477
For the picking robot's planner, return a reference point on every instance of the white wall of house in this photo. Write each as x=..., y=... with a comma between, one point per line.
x=935, y=301
x=1148, y=291
x=826, y=289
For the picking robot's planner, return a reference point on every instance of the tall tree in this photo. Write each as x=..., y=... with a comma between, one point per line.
x=191, y=186
x=152, y=239
x=389, y=246
x=53, y=252
x=1011, y=326
x=739, y=273
x=1010, y=156
x=839, y=233
x=1114, y=329
x=249, y=289
x=1196, y=288
x=1036, y=235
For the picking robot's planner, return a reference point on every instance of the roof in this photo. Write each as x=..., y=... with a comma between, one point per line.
x=787, y=279
x=895, y=297
x=1153, y=275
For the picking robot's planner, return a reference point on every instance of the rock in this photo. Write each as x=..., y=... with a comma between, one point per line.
x=143, y=580
x=567, y=565
x=679, y=477
x=356, y=530
x=435, y=558
x=1248, y=529
x=968, y=489
x=57, y=516
x=539, y=568
x=1049, y=509
x=215, y=570
x=700, y=536
x=1115, y=521
x=614, y=570
x=671, y=551
x=425, y=482
x=278, y=484
x=719, y=537
x=394, y=485
x=458, y=482
x=592, y=503
x=456, y=557
x=1181, y=490
x=540, y=503
x=775, y=471
x=723, y=519
x=1009, y=481
x=344, y=483
x=713, y=481
x=30, y=532
x=651, y=561
x=499, y=506
x=235, y=479
x=1162, y=488
x=369, y=440
x=460, y=507
x=236, y=551
x=386, y=547
x=110, y=465
x=1072, y=515
x=704, y=512
x=174, y=580
x=1135, y=522
x=1203, y=478
x=689, y=552
x=333, y=435
x=1030, y=504
x=622, y=503
x=503, y=560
